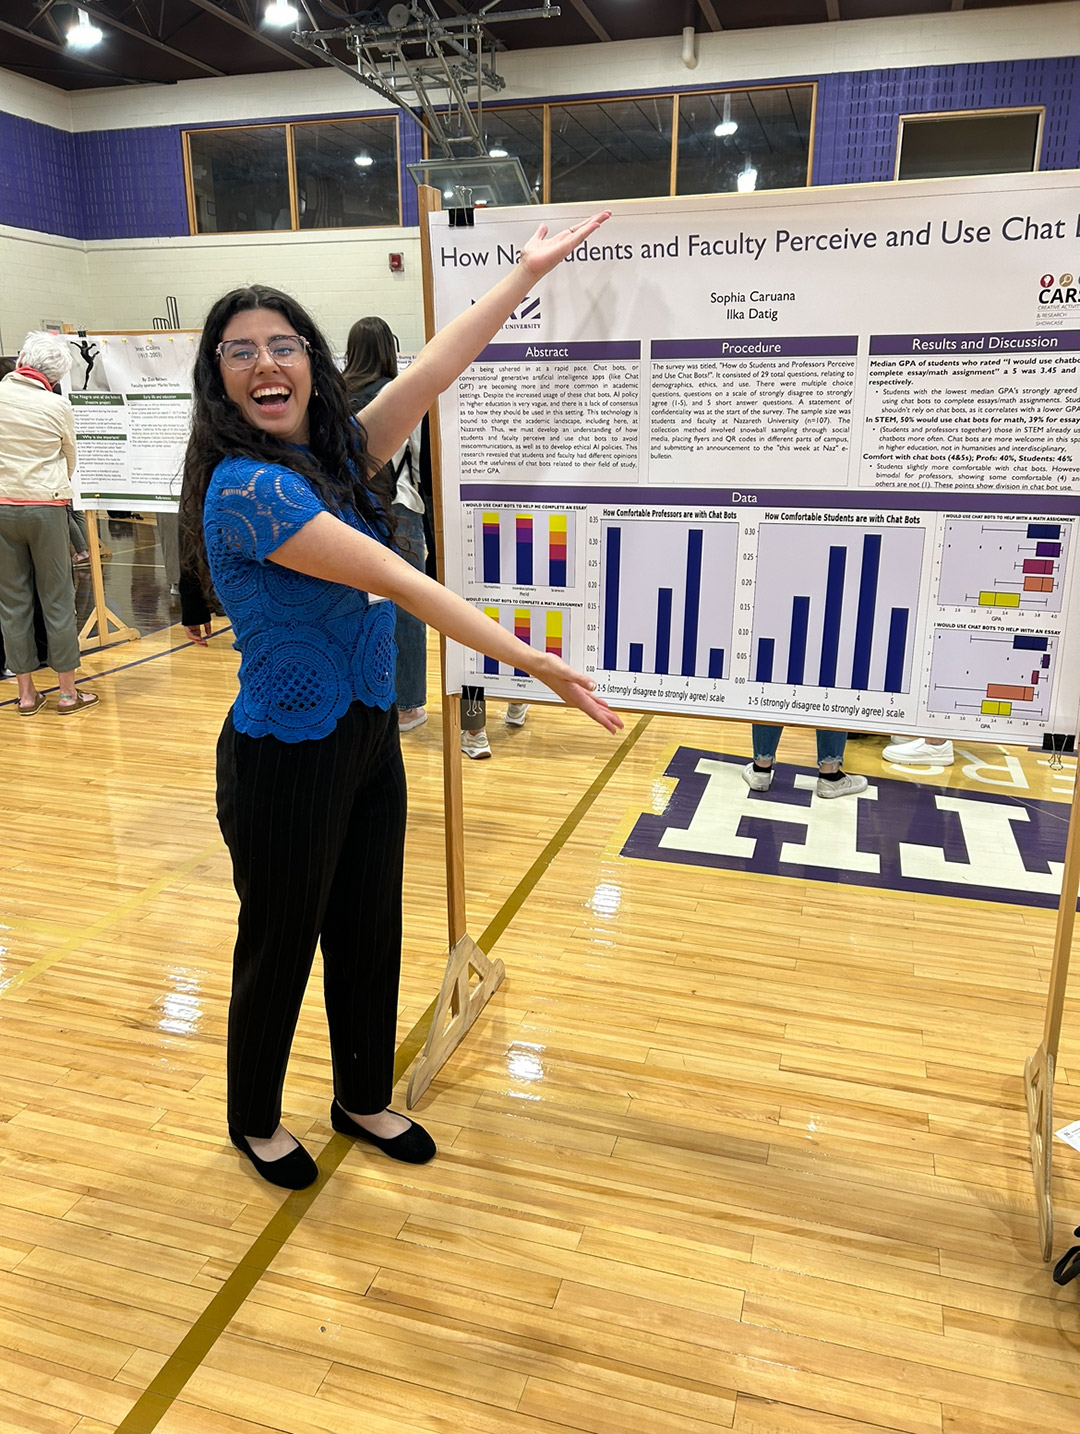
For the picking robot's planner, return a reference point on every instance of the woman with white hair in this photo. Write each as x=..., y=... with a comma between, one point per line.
x=37, y=459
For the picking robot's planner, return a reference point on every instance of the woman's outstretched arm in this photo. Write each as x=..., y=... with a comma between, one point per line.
x=328, y=548
x=393, y=414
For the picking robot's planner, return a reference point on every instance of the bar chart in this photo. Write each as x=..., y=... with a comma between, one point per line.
x=667, y=595
x=523, y=547
x=545, y=628
x=1004, y=563
x=992, y=674
x=835, y=607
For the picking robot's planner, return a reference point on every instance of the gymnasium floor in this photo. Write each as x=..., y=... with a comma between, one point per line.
x=740, y=1142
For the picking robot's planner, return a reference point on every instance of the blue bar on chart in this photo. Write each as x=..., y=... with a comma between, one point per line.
x=765, y=654
x=612, y=564
x=523, y=528
x=1044, y=530
x=637, y=656
x=491, y=664
x=663, y=630
x=897, y=649
x=491, y=567
x=834, y=611
x=864, y=616
x=716, y=662
x=692, y=605
x=1029, y=644
x=800, y=623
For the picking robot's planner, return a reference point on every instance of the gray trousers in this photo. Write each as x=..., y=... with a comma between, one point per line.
x=34, y=548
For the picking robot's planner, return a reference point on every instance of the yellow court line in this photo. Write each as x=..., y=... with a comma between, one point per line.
x=87, y=933
x=154, y=1403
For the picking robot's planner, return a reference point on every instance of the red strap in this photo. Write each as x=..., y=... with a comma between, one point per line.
x=25, y=371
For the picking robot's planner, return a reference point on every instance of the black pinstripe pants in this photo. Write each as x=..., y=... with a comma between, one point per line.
x=316, y=831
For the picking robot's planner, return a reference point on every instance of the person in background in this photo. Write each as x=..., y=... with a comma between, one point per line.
x=37, y=459
x=370, y=364
x=832, y=780
x=283, y=503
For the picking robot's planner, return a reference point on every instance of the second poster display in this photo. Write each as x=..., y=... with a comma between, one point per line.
x=803, y=456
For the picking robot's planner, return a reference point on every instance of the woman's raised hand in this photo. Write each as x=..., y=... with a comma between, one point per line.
x=544, y=251
x=576, y=690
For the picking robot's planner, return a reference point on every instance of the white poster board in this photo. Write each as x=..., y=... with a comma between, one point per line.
x=132, y=399
x=802, y=456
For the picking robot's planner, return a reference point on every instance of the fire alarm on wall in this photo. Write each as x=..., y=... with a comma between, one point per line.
x=397, y=263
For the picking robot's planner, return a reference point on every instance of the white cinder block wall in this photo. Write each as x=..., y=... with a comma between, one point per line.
x=342, y=275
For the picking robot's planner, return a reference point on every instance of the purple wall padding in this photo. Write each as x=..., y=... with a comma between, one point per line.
x=857, y=116
x=129, y=183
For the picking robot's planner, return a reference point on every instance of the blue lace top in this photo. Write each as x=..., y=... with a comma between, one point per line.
x=309, y=648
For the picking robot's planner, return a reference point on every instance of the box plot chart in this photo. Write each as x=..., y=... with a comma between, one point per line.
x=835, y=607
x=667, y=594
x=1004, y=563
x=545, y=628
x=992, y=674
x=524, y=547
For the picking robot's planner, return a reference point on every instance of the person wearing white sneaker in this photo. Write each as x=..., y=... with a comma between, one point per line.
x=832, y=780
x=919, y=752
x=516, y=713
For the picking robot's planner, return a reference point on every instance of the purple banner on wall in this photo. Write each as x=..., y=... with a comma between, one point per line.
x=558, y=353
x=1059, y=340
x=754, y=348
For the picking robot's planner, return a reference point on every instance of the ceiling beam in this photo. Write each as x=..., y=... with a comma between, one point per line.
x=252, y=33
x=590, y=19
x=110, y=23
x=68, y=54
x=708, y=9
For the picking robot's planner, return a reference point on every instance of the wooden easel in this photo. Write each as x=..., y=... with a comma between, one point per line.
x=102, y=627
x=459, y=1002
x=1039, y=1067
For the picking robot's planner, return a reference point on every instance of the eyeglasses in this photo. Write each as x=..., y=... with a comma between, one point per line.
x=285, y=350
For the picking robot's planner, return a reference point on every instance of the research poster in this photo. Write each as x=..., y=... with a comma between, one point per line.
x=803, y=456
x=132, y=399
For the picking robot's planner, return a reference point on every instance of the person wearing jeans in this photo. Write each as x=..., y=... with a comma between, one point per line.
x=832, y=780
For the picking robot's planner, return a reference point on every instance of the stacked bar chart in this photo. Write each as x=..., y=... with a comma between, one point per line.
x=544, y=628
x=835, y=607
x=992, y=674
x=667, y=597
x=1004, y=563
x=532, y=548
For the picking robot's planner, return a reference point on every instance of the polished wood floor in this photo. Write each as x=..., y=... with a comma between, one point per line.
x=725, y=1151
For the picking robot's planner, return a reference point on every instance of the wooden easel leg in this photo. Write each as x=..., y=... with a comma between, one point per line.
x=1039, y=1069
x=102, y=627
x=462, y=1004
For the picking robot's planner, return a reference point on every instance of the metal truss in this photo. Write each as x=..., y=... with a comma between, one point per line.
x=416, y=55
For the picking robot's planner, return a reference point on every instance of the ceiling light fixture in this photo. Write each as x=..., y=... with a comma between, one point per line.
x=365, y=161
x=497, y=153
x=747, y=180
x=83, y=34
x=279, y=13
x=727, y=125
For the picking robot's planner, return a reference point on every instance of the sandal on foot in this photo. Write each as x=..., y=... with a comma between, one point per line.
x=39, y=702
x=82, y=699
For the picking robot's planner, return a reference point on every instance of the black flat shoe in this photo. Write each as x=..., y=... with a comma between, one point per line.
x=414, y=1145
x=295, y=1171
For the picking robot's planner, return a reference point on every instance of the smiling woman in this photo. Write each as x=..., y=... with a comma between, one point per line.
x=286, y=503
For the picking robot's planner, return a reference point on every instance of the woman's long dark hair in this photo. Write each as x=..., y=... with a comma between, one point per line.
x=336, y=464
x=370, y=353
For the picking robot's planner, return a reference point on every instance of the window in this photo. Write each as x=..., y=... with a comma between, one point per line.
x=347, y=173
x=325, y=174
x=979, y=142
x=614, y=149
x=518, y=132
x=239, y=179
x=744, y=139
